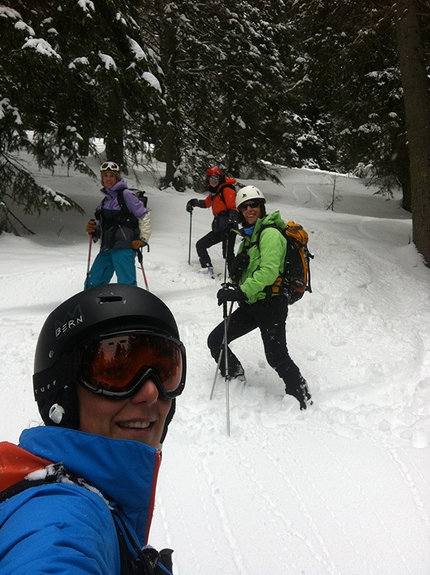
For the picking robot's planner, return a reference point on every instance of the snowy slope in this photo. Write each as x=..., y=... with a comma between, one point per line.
x=342, y=489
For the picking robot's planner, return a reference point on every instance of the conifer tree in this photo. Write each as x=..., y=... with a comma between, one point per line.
x=73, y=71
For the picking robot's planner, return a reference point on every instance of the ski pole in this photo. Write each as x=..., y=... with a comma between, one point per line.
x=89, y=262
x=225, y=327
x=221, y=353
x=227, y=374
x=140, y=258
x=226, y=322
x=189, y=241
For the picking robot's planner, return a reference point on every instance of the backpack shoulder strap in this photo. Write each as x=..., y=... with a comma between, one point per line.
x=16, y=463
x=121, y=201
x=128, y=214
x=274, y=288
x=222, y=188
x=264, y=227
x=148, y=561
x=47, y=474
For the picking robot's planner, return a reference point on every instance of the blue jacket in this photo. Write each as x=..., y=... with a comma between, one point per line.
x=73, y=532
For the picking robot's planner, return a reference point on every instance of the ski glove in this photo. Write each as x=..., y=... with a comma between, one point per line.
x=232, y=222
x=136, y=244
x=229, y=293
x=91, y=227
x=231, y=225
x=191, y=204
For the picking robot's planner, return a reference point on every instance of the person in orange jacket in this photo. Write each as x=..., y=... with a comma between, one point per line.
x=222, y=200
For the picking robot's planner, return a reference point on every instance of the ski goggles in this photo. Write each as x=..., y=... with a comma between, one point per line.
x=243, y=207
x=118, y=365
x=112, y=166
x=211, y=178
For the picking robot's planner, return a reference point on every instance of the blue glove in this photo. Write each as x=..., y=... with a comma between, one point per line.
x=229, y=293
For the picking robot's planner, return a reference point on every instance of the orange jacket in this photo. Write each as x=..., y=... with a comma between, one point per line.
x=224, y=199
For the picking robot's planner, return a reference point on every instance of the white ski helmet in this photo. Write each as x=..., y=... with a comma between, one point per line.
x=249, y=193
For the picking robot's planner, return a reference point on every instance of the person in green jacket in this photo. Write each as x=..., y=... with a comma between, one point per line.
x=255, y=269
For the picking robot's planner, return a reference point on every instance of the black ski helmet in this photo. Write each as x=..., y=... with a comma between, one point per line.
x=107, y=308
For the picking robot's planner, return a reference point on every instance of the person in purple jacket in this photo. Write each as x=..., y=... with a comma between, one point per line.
x=121, y=231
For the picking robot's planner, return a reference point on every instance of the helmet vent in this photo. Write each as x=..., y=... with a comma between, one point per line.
x=110, y=299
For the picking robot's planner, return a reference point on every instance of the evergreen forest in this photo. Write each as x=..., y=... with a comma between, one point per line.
x=339, y=85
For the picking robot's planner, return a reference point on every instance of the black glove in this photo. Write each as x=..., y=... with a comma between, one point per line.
x=231, y=225
x=191, y=204
x=232, y=222
x=229, y=293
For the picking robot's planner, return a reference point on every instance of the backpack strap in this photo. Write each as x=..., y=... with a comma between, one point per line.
x=16, y=463
x=221, y=191
x=125, y=217
x=148, y=561
x=121, y=202
x=24, y=484
x=277, y=287
x=131, y=217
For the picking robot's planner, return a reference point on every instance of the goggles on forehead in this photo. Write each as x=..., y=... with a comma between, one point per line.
x=109, y=166
x=243, y=207
x=211, y=178
x=118, y=365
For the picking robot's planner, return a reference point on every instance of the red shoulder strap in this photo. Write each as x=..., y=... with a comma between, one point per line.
x=16, y=463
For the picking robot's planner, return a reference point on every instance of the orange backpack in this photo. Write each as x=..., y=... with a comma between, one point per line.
x=295, y=280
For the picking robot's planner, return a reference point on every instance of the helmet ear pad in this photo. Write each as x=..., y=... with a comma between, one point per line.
x=64, y=401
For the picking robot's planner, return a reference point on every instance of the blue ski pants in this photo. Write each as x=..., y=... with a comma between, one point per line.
x=118, y=261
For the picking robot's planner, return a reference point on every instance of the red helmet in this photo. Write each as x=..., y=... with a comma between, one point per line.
x=214, y=171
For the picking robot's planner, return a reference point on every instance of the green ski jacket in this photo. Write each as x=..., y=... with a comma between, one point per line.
x=266, y=257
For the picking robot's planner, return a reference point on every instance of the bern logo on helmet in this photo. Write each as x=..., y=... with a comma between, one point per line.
x=70, y=321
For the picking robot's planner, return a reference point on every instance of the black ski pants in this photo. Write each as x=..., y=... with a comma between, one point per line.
x=212, y=238
x=270, y=317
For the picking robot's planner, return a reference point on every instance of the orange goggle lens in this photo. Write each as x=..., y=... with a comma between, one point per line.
x=119, y=365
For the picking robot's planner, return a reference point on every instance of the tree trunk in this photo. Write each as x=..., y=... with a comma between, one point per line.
x=416, y=97
x=114, y=138
x=169, y=54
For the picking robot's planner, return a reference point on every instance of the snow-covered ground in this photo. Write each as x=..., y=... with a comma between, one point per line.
x=342, y=489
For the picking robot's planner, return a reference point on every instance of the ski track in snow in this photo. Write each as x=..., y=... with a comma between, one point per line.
x=341, y=489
